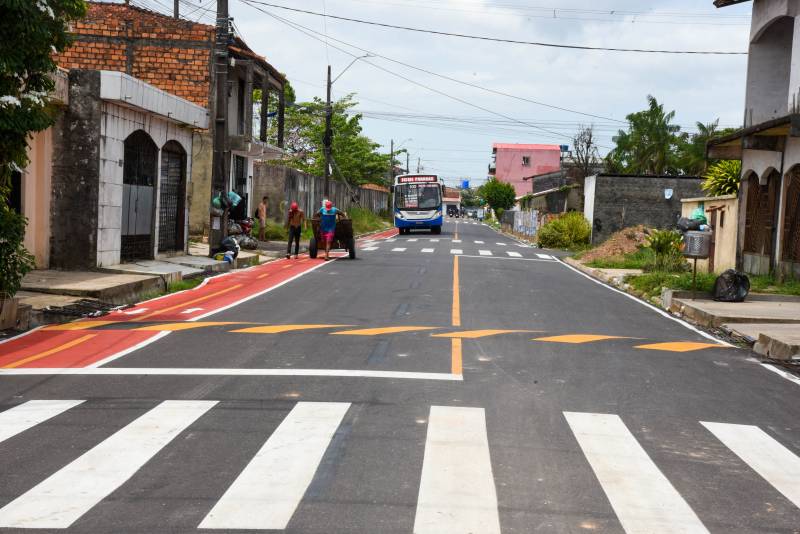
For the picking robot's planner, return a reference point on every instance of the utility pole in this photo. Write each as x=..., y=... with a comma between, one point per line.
x=221, y=156
x=177, y=9
x=408, y=169
x=418, y=162
x=391, y=163
x=327, y=139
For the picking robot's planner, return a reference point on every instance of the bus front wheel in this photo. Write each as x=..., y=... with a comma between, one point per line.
x=436, y=230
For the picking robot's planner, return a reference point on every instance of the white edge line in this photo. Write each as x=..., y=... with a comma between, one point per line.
x=127, y=351
x=189, y=371
x=643, y=303
x=255, y=295
x=23, y=334
x=508, y=258
x=780, y=372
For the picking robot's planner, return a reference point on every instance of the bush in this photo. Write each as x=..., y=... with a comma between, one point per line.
x=569, y=230
x=666, y=247
x=15, y=261
x=640, y=259
x=365, y=221
x=722, y=178
x=499, y=212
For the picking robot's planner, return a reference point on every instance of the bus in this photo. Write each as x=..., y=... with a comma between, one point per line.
x=418, y=202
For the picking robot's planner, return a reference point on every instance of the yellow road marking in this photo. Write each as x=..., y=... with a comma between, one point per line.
x=456, y=361
x=79, y=325
x=679, y=346
x=281, y=328
x=185, y=304
x=263, y=275
x=456, y=319
x=577, y=338
x=173, y=327
x=474, y=334
x=380, y=331
x=48, y=352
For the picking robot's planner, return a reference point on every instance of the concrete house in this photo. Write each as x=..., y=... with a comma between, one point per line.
x=176, y=55
x=512, y=162
x=769, y=143
x=107, y=181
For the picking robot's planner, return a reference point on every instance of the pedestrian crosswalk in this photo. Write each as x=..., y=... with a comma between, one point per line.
x=457, y=489
x=465, y=247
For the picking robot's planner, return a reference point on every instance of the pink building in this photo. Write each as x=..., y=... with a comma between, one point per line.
x=513, y=162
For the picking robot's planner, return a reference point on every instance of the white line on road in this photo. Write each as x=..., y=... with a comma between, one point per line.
x=370, y=248
x=544, y=256
x=479, y=242
x=513, y=254
x=644, y=500
x=266, y=493
x=485, y=252
x=433, y=240
x=657, y=310
x=398, y=249
x=501, y=244
x=427, y=250
x=65, y=496
x=120, y=354
x=411, y=240
x=774, y=462
x=456, y=251
x=456, y=491
x=780, y=372
x=29, y=414
x=504, y=258
x=456, y=241
x=201, y=371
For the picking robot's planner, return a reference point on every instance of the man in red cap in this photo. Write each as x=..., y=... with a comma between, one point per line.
x=295, y=222
x=327, y=223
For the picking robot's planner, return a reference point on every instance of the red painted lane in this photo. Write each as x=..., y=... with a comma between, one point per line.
x=50, y=348
x=81, y=348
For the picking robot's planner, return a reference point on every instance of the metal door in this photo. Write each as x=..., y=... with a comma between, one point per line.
x=138, y=196
x=171, y=198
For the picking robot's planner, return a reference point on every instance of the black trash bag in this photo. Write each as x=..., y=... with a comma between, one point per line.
x=685, y=224
x=229, y=244
x=731, y=286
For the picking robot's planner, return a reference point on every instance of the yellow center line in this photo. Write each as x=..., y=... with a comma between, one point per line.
x=381, y=331
x=185, y=304
x=263, y=275
x=456, y=360
x=281, y=328
x=78, y=325
x=48, y=352
x=456, y=298
x=475, y=334
x=456, y=365
x=174, y=327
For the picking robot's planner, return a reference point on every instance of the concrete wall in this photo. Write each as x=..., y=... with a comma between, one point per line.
x=725, y=227
x=283, y=185
x=768, y=72
x=116, y=125
x=36, y=196
x=621, y=201
x=200, y=184
x=76, y=176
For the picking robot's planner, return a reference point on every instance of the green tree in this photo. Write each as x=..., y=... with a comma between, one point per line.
x=722, y=178
x=650, y=144
x=357, y=158
x=469, y=199
x=498, y=195
x=31, y=32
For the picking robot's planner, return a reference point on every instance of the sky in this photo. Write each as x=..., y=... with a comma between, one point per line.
x=450, y=127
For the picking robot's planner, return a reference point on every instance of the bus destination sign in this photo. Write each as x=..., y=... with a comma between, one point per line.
x=416, y=179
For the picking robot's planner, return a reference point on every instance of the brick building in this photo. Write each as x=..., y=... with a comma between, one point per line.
x=176, y=56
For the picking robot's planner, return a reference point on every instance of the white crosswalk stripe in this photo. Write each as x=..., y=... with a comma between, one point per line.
x=433, y=240
x=456, y=241
x=370, y=248
x=485, y=252
x=412, y=240
x=774, y=462
x=544, y=256
x=29, y=414
x=644, y=500
x=456, y=251
x=513, y=254
x=398, y=249
x=427, y=250
x=456, y=493
x=479, y=242
x=501, y=244
x=457, y=488
x=65, y=496
x=267, y=492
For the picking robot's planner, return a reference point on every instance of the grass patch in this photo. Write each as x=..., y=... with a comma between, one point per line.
x=181, y=285
x=634, y=260
x=651, y=284
x=768, y=284
x=365, y=221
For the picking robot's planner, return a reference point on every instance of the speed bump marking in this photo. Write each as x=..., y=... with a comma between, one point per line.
x=679, y=346
x=281, y=328
x=578, y=338
x=380, y=331
x=475, y=334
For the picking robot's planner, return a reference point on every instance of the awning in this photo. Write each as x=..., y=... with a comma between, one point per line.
x=759, y=136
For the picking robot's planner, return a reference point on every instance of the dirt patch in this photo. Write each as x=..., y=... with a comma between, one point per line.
x=620, y=243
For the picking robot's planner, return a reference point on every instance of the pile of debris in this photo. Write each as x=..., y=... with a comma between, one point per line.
x=619, y=244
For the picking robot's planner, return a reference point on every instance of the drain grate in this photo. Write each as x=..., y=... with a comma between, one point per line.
x=84, y=308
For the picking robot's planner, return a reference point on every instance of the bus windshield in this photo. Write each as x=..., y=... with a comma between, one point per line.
x=418, y=196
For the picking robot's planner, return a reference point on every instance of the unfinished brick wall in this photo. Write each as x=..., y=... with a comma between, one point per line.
x=171, y=54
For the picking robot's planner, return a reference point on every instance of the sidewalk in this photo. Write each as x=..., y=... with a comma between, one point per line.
x=770, y=322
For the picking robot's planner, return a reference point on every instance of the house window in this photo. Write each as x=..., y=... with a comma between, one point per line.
x=526, y=161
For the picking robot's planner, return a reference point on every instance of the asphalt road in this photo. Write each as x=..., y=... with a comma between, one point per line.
x=458, y=383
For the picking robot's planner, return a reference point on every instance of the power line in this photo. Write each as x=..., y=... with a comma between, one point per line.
x=498, y=40
x=409, y=80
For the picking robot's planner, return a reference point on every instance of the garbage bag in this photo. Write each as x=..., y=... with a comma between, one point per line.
x=234, y=228
x=248, y=242
x=229, y=244
x=698, y=214
x=731, y=286
x=685, y=224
